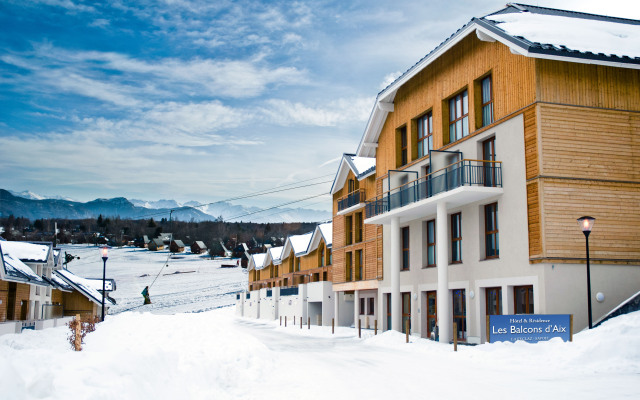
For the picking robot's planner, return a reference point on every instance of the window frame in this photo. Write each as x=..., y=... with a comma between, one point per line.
x=488, y=103
x=348, y=230
x=456, y=241
x=462, y=118
x=406, y=310
x=348, y=265
x=498, y=297
x=493, y=216
x=371, y=306
x=431, y=244
x=529, y=298
x=358, y=228
x=406, y=251
x=359, y=265
x=402, y=150
x=432, y=317
x=421, y=137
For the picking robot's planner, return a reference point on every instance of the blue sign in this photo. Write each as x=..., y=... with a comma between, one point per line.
x=531, y=328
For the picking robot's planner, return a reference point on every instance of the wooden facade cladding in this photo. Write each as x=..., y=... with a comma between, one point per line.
x=22, y=291
x=458, y=69
x=76, y=303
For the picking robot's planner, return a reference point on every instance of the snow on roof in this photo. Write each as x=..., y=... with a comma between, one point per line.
x=300, y=243
x=26, y=251
x=82, y=285
x=201, y=244
x=58, y=281
x=97, y=284
x=363, y=165
x=327, y=231
x=275, y=253
x=258, y=261
x=14, y=269
x=584, y=35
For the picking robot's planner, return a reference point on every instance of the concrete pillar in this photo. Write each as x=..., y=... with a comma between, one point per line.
x=442, y=259
x=396, y=257
x=356, y=307
x=336, y=307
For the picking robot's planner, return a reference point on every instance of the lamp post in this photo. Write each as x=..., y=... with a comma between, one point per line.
x=586, y=223
x=105, y=255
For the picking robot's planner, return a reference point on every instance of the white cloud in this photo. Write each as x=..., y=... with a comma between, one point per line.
x=287, y=113
x=389, y=79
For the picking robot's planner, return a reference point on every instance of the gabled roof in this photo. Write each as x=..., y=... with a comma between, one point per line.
x=157, y=242
x=530, y=31
x=298, y=243
x=257, y=262
x=273, y=256
x=14, y=270
x=83, y=286
x=200, y=244
x=178, y=243
x=60, y=283
x=362, y=167
x=322, y=232
x=28, y=252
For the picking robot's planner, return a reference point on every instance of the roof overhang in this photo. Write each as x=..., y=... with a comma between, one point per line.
x=343, y=172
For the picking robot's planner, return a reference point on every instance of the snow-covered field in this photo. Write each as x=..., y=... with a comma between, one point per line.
x=215, y=355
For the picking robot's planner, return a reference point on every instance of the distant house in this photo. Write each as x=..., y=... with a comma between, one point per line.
x=84, y=299
x=198, y=247
x=156, y=244
x=176, y=246
x=166, y=237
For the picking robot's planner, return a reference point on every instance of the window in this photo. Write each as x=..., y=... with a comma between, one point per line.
x=458, y=116
x=371, y=306
x=491, y=230
x=493, y=297
x=403, y=146
x=432, y=312
x=489, y=154
x=348, y=228
x=362, y=311
x=460, y=314
x=321, y=255
x=456, y=238
x=353, y=185
x=388, y=296
x=297, y=264
x=431, y=243
x=406, y=312
x=425, y=134
x=523, y=299
x=348, y=266
x=359, y=262
x=329, y=257
x=405, y=248
x=358, y=227
x=486, y=89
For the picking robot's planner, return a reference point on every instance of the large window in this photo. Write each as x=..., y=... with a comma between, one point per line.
x=329, y=257
x=388, y=311
x=358, y=227
x=491, y=235
x=489, y=154
x=362, y=303
x=371, y=306
x=432, y=312
x=431, y=243
x=456, y=238
x=458, y=116
x=321, y=255
x=348, y=265
x=348, y=229
x=405, y=248
x=460, y=314
x=486, y=88
x=523, y=299
x=359, y=265
x=494, y=301
x=406, y=312
x=425, y=134
x=403, y=146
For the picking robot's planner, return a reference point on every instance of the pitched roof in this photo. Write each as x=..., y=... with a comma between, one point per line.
x=14, y=270
x=273, y=255
x=298, y=243
x=531, y=31
x=28, y=252
x=178, y=243
x=362, y=167
x=83, y=286
x=257, y=262
x=322, y=231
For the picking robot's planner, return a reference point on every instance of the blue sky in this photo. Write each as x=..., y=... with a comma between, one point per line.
x=205, y=100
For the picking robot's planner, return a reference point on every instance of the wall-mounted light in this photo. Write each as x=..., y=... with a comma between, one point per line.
x=600, y=297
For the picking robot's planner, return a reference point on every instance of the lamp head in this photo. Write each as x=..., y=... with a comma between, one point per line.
x=105, y=252
x=586, y=223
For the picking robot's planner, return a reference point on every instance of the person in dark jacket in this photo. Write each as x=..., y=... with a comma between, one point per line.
x=145, y=293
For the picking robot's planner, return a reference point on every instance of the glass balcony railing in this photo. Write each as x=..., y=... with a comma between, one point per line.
x=352, y=199
x=462, y=173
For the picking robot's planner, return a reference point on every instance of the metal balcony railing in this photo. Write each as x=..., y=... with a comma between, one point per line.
x=289, y=291
x=461, y=173
x=352, y=199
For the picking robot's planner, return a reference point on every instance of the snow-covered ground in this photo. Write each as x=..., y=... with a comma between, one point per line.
x=215, y=355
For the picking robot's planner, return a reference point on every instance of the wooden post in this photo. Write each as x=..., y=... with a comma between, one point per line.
x=281, y=320
x=359, y=328
x=571, y=327
x=333, y=326
x=455, y=337
x=78, y=342
x=375, y=323
x=488, y=330
x=300, y=322
x=406, y=329
x=285, y=321
x=294, y=320
x=308, y=322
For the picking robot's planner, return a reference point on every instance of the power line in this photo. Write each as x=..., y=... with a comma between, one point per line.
x=277, y=206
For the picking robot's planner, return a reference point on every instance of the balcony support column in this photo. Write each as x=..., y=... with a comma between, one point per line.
x=356, y=308
x=396, y=255
x=336, y=308
x=442, y=260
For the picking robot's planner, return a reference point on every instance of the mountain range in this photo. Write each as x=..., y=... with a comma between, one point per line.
x=32, y=206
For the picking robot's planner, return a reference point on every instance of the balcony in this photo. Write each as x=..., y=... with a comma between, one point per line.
x=351, y=200
x=463, y=182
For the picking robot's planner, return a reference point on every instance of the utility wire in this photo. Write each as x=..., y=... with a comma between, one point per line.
x=277, y=206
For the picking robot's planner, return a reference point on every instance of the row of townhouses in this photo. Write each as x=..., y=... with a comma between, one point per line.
x=36, y=292
x=462, y=196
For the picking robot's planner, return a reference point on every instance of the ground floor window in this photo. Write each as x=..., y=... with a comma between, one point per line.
x=494, y=302
x=523, y=299
x=362, y=311
x=460, y=314
x=432, y=309
x=370, y=309
x=388, y=295
x=406, y=312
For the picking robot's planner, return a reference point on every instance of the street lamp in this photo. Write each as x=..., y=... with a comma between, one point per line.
x=586, y=223
x=105, y=255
